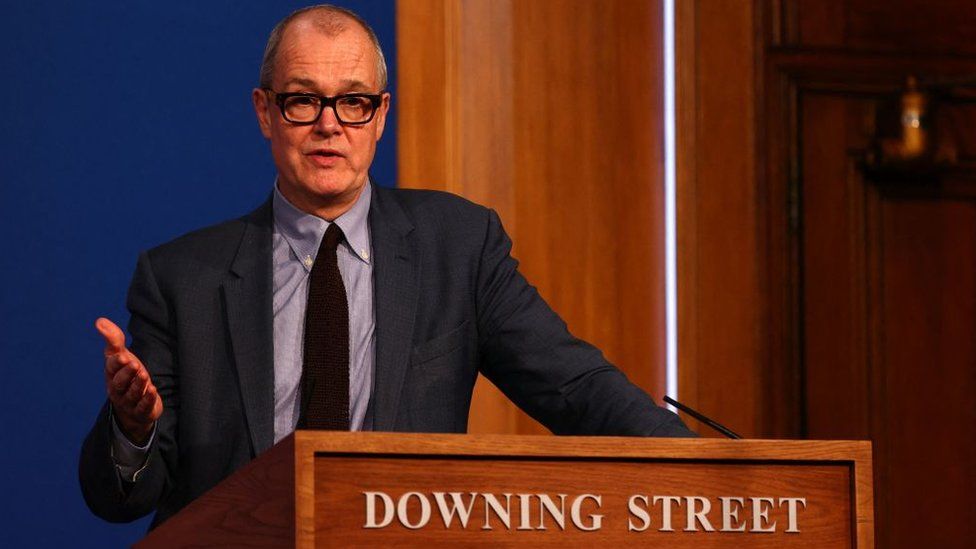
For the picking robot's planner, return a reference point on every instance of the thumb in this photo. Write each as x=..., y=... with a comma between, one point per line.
x=114, y=336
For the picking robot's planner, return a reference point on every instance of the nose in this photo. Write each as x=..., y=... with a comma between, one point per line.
x=328, y=123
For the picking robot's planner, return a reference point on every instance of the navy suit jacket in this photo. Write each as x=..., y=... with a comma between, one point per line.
x=450, y=303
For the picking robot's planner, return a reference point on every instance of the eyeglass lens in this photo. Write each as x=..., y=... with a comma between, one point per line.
x=348, y=109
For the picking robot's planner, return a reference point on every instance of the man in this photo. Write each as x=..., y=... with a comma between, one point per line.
x=336, y=304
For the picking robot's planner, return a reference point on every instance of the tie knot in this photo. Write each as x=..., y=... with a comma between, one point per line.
x=333, y=236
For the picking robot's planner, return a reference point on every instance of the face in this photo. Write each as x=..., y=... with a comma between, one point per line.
x=322, y=167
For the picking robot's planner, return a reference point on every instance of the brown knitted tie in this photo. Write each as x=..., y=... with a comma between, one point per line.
x=325, y=369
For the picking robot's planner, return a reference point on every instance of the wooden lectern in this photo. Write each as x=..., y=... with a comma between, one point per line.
x=328, y=489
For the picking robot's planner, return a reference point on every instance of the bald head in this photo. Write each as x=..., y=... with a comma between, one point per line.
x=331, y=21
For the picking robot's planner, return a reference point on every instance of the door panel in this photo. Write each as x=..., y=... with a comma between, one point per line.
x=888, y=277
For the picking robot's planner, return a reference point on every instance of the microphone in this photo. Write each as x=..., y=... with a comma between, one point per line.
x=713, y=424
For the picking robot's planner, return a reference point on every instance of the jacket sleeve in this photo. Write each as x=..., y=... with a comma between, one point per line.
x=151, y=329
x=561, y=381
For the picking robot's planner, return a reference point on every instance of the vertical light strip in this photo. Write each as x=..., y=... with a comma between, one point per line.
x=670, y=219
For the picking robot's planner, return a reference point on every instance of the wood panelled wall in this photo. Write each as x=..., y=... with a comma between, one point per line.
x=853, y=302
x=550, y=112
x=721, y=344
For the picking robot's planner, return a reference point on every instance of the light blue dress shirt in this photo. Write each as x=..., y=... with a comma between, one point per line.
x=297, y=236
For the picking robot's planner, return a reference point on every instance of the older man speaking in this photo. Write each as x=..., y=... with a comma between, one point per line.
x=335, y=305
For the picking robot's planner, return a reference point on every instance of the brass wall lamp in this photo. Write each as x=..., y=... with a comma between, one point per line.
x=919, y=131
x=913, y=143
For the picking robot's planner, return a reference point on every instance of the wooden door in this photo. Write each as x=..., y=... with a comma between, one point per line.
x=881, y=281
x=818, y=299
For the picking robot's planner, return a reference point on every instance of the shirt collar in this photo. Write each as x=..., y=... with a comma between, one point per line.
x=304, y=231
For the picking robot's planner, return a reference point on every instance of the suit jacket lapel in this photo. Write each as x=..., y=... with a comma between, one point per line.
x=395, y=292
x=247, y=294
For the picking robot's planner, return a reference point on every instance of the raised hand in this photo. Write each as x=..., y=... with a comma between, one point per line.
x=135, y=400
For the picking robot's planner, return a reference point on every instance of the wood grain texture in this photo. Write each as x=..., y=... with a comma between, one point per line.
x=928, y=276
x=931, y=26
x=838, y=261
x=889, y=315
x=427, y=137
x=830, y=474
x=320, y=477
x=720, y=301
x=876, y=260
x=825, y=488
x=550, y=113
x=254, y=507
x=834, y=261
x=873, y=331
x=550, y=446
x=686, y=200
x=304, y=490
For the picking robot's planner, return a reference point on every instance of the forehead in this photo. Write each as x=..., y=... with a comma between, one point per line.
x=327, y=59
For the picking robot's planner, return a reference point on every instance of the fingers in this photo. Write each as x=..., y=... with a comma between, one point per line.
x=135, y=399
x=114, y=336
x=120, y=361
x=149, y=405
x=137, y=388
x=130, y=388
x=120, y=380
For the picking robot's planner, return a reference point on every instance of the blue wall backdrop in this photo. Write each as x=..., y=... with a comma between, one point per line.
x=124, y=124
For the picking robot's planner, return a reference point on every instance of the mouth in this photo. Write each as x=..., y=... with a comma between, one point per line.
x=324, y=157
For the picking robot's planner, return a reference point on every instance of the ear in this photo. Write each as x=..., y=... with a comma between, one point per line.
x=262, y=108
x=381, y=112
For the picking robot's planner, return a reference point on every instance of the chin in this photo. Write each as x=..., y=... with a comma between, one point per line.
x=333, y=186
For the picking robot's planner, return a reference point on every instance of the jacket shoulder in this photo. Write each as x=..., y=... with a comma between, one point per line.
x=202, y=237
x=438, y=208
x=211, y=248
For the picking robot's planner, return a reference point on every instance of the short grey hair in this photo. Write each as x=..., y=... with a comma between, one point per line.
x=330, y=20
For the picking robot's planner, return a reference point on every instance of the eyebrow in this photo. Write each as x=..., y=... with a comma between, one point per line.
x=347, y=83
x=300, y=81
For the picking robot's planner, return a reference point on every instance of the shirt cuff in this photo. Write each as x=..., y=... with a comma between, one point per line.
x=130, y=459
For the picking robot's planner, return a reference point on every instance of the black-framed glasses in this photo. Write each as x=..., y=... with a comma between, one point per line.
x=351, y=109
